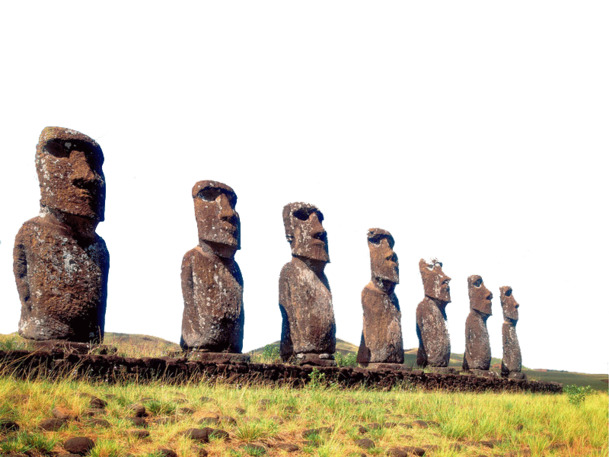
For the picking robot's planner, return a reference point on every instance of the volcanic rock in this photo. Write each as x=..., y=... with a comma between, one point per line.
x=212, y=285
x=60, y=264
x=511, y=365
x=477, y=345
x=305, y=299
x=434, y=342
x=80, y=445
x=381, y=340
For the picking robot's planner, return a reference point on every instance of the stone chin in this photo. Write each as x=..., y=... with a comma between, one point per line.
x=442, y=294
x=484, y=308
x=314, y=251
x=83, y=207
x=390, y=275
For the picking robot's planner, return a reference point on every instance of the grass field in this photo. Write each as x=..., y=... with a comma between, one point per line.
x=317, y=420
x=265, y=421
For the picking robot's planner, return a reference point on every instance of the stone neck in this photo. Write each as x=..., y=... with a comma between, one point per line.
x=81, y=227
x=218, y=249
x=440, y=303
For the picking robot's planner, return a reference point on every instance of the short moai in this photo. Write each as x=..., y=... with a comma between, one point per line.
x=511, y=365
x=381, y=344
x=60, y=264
x=308, y=333
x=477, y=356
x=434, y=341
x=212, y=285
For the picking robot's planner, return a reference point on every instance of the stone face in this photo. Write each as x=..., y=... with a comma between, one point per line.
x=477, y=345
x=60, y=264
x=305, y=299
x=382, y=330
x=434, y=341
x=511, y=365
x=212, y=285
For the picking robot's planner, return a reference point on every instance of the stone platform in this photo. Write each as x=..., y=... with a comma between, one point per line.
x=56, y=364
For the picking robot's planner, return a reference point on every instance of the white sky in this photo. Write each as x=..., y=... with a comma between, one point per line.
x=473, y=131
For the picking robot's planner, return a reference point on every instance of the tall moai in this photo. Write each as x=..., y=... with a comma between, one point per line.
x=434, y=341
x=511, y=365
x=308, y=333
x=477, y=345
x=60, y=264
x=381, y=342
x=212, y=285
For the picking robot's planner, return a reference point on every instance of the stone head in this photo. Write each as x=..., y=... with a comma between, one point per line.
x=508, y=303
x=383, y=261
x=435, y=281
x=69, y=167
x=479, y=296
x=305, y=232
x=217, y=220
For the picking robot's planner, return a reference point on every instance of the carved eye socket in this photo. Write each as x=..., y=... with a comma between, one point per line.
x=210, y=194
x=302, y=214
x=478, y=282
x=508, y=292
x=438, y=264
x=57, y=149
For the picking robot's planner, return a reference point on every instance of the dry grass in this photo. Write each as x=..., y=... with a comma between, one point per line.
x=521, y=424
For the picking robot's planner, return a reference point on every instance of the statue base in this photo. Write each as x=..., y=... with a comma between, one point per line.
x=73, y=347
x=385, y=366
x=216, y=357
x=441, y=370
x=317, y=360
x=517, y=375
x=483, y=373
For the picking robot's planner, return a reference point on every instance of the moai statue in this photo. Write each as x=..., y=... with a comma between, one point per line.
x=511, y=365
x=381, y=345
x=212, y=285
x=477, y=355
x=434, y=342
x=308, y=329
x=60, y=264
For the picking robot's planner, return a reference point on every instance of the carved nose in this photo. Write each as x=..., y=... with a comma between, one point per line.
x=81, y=171
x=226, y=210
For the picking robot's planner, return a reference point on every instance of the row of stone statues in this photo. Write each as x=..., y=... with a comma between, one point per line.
x=61, y=270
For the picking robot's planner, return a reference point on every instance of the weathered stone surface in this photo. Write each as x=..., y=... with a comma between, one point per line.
x=52, y=424
x=212, y=285
x=511, y=365
x=434, y=341
x=60, y=264
x=305, y=299
x=218, y=357
x=477, y=345
x=80, y=445
x=382, y=331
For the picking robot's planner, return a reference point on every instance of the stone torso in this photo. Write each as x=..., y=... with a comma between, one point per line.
x=434, y=341
x=305, y=302
x=512, y=359
x=213, y=316
x=477, y=346
x=62, y=282
x=382, y=332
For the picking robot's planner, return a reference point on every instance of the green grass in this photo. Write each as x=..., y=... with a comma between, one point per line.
x=267, y=417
